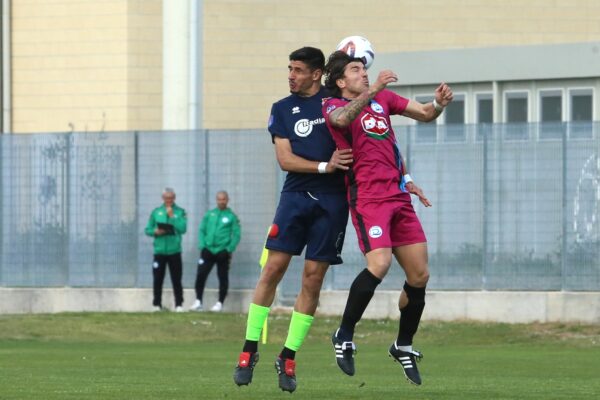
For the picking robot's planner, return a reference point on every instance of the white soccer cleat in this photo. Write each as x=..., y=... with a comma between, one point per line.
x=217, y=307
x=178, y=309
x=197, y=306
x=156, y=308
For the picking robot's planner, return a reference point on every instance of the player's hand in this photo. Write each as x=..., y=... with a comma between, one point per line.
x=159, y=232
x=414, y=189
x=384, y=78
x=170, y=211
x=340, y=159
x=443, y=95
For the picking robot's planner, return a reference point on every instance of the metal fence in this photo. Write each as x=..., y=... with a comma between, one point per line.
x=515, y=206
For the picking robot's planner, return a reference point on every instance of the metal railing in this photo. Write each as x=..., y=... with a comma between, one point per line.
x=516, y=206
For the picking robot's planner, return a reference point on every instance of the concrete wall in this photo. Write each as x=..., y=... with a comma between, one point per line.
x=510, y=307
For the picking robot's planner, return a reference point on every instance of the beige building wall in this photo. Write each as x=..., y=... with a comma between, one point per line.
x=86, y=65
x=90, y=65
x=246, y=42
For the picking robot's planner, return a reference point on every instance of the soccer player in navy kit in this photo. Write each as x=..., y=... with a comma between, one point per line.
x=312, y=212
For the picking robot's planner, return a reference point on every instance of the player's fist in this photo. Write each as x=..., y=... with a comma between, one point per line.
x=443, y=95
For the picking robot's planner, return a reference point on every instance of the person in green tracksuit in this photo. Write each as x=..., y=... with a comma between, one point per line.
x=218, y=236
x=166, y=225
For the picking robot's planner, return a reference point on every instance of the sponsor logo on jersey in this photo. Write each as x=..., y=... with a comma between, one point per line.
x=375, y=232
x=295, y=110
x=375, y=106
x=304, y=127
x=224, y=220
x=375, y=126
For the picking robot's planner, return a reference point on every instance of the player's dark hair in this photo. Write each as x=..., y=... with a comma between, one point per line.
x=334, y=70
x=311, y=56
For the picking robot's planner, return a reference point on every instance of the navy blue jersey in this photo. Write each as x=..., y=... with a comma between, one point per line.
x=301, y=120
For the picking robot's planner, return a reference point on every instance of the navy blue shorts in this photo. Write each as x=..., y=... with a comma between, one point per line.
x=315, y=220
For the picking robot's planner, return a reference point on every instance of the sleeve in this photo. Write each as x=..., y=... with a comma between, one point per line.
x=202, y=233
x=179, y=222
x=236, y=233
x=276, y=124
x=396, y=103
x=341, y=137
x=150, y=226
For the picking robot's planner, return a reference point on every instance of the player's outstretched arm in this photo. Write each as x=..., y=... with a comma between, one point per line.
x=290, y=162
x=430, y=111
x=343, y=117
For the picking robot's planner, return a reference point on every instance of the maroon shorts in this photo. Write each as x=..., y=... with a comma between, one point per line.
x=386, y=224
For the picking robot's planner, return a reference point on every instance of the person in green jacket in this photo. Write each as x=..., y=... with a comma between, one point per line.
x=166, y=225
x=218, y=236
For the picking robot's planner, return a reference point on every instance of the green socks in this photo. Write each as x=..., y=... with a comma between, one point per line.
x=256, y=319
x=299, y=326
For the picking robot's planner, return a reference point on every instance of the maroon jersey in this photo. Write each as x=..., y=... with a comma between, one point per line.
x=377, y=172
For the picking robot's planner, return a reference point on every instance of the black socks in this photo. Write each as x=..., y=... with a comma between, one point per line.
x=410, y=316
x=361, y=292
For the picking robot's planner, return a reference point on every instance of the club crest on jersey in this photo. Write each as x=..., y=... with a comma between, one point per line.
x=375, y=126
x=295, y=110
x=375, y=106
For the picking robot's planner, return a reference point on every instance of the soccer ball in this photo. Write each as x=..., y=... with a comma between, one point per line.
x=358, y=47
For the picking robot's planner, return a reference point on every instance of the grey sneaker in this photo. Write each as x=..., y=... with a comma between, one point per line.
x=243, y=371
x=408, y=361
x=344, y=354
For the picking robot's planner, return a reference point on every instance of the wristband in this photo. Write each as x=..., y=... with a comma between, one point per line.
x=437, y=106
x=322, y=168
x=407, y=178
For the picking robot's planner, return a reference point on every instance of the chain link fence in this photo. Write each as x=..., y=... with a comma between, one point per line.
x=516, y=207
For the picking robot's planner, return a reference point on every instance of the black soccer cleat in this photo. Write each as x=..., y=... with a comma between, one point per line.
x=286, y=369
x=408, y=361
x=243, y=371
x=344, y=354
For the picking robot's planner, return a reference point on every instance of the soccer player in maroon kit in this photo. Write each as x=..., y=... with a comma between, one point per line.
x=358, y=117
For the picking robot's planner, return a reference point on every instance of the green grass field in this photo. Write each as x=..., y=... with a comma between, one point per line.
x=192, y=356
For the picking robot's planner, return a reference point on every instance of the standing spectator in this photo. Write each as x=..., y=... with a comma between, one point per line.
x=166, y=224
x=218, y=236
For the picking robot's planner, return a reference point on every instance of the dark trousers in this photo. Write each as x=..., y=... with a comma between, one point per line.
x=175, y=270
x=222, y=259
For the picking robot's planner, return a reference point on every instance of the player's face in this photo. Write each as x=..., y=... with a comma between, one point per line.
x=169, y=199
x=222, y=201
x=355, y=80
x=302, y=79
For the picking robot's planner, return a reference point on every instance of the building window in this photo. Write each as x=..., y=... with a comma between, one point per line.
x=551, y=114
x=455, y=111
x=581, y=103
x=516, y=107
x=551, y=106
x=426, y=132
x=485, y=108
